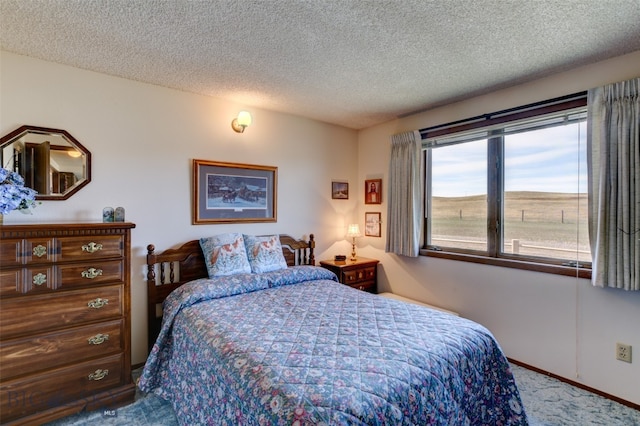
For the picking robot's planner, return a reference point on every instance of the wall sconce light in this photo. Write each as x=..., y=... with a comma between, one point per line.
x=241, y=122
x=353, y=231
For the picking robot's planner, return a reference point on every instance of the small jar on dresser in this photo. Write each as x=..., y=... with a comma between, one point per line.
x=65, y=316
x=361, y=273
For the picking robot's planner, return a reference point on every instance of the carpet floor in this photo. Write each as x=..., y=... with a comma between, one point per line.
x=547, y=401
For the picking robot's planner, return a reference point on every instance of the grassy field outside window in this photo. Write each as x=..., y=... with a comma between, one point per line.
x=516, y=191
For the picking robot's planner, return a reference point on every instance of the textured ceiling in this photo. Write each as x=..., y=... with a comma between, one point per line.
x=348, y=62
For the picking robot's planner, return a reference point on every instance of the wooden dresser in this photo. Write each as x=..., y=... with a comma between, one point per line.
x=65, y=339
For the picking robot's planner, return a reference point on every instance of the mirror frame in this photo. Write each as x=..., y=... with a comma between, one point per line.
x=21, y=131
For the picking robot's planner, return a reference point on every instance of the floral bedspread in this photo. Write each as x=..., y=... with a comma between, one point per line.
x=294, y=347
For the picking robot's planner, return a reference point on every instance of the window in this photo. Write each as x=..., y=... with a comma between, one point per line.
x=510, y=188
x=459, y=195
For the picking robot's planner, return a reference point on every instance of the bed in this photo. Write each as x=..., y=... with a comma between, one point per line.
x=292, y=346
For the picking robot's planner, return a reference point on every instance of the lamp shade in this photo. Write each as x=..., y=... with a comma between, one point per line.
x=353, y=230
x=244, y=119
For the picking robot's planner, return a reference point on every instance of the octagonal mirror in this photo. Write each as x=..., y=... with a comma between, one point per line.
x=51, y=161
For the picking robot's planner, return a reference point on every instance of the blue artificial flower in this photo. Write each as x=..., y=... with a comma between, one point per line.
x=13, y=194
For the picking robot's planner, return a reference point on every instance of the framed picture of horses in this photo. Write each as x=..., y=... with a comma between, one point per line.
x=233, y=192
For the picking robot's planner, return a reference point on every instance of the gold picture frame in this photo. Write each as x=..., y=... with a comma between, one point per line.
x=233, y=192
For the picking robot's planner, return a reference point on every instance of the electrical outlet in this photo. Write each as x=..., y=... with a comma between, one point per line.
x=623, y=352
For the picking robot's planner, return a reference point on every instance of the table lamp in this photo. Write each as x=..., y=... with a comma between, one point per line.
x=353, y=231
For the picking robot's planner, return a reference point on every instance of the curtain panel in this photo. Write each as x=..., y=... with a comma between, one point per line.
x=404, y=206
x=613, y=161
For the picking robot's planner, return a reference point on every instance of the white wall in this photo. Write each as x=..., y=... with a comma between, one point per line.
x=142, y=139
x=559, y=324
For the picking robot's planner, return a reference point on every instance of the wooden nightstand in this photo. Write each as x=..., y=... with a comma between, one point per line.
x=361, y=273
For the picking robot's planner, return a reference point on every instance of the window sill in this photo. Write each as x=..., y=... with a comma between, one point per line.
x=528, y=265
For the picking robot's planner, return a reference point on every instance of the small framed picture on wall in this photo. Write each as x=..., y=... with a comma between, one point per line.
x=372, y=224
x=340, y=190
x=373, y=191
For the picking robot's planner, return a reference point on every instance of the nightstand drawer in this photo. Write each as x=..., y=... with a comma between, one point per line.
x=358, y=275
x=369, y=286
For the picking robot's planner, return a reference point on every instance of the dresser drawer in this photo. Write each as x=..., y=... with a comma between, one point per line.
x=21, y=315
x=39, y=250
x=358, y=275
x=23, y=396
x=20, y=281
x=85, y=248
x=43, y=250
x=10, y=252
x=92, y=273
x=18, y=251
x=46, y=277
x=11, y=282
x=44, y=351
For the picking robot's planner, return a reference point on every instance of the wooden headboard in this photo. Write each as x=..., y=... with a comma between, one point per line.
x=170, y=269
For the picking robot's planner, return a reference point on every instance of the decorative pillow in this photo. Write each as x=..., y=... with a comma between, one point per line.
x=225, y=254
x=264, y=253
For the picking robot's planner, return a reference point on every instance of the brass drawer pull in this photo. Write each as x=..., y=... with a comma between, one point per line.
x=98, y=303
x=98, y=339
x=98, y=374
x=92, y=247
x=39, y=279
x=91, y=273
x=39, y=250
